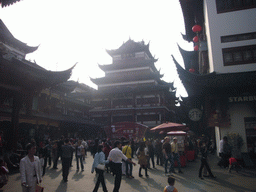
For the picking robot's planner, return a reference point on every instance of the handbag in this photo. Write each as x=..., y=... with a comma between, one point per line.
x=39, y=188
x=101, y=167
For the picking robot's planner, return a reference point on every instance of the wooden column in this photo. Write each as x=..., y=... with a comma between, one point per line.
x=17, y=102
x=29, y=103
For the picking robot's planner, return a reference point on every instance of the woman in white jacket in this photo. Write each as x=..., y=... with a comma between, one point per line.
x=30, y=170
x=99, y=158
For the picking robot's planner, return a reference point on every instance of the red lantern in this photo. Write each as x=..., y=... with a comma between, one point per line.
x=195, y=39
x=192, y=70
x=196, y=48
x=196, y=28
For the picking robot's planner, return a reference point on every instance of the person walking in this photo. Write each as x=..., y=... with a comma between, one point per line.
x=30, y=170
x=71, y=140
x=133, y=147
x=99, y=158
x=54, y=152
x=204, y=163
x=127, y=151
x=79, y=155
x=95, y=147
x=225, y=152
x=106, y=149
x=175, y=154
x=151, y=153
x=167, y=152
x=48, y=147
x=159, y=153
x=42, y=154
x=143, y=158
x=67, y=150
x=59, y=152
x=116, y=155
x=84, y=143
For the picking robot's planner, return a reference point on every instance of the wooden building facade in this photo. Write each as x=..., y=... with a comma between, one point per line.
x=34, y=102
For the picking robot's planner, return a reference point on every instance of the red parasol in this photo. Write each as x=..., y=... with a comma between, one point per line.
x=169, y=126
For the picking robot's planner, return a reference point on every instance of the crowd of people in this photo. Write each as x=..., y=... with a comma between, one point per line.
x=116, y=156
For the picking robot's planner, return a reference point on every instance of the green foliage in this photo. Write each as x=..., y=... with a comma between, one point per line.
x=236, y=142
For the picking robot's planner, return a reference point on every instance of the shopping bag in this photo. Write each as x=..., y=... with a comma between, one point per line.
x=39, y=188
x=101, y=167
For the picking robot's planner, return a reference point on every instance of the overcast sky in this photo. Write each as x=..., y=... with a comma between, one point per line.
x=81, y=31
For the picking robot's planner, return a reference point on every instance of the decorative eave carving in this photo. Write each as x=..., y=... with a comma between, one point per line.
x=28, y=75
x=10, y=41
x=5, y=3
x=212, y=83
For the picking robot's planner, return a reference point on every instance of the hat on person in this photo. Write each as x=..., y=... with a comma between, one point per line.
x=174, y=138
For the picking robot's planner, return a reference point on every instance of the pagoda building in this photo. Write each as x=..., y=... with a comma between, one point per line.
x=220, y=74
x=132, y=89
x=20, y=81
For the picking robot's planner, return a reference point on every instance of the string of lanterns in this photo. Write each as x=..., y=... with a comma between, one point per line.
x=196, y=29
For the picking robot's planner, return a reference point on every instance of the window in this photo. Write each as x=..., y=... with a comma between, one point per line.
x=148, y=117
x=228, y=57
x=117, y=57
x=239, y=55
x=238, y=37
x=247, y=55
x=128, y=55
x=122, y=118
x=234, y=5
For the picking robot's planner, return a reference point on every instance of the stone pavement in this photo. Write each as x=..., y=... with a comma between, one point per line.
x=188, y=181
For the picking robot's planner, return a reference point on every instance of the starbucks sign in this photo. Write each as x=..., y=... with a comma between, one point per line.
x=195, y=114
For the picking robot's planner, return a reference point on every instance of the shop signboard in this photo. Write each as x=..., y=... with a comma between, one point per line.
x=127, y=130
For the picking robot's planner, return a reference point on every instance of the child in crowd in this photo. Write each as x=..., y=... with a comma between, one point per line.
x=170, y=187
x=233, y=164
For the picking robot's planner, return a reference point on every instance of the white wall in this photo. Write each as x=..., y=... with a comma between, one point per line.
x=223, y=24
x=237, y=113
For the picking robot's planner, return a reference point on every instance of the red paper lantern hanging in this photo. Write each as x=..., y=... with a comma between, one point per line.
x=195, y=39
x=196, y=28
x=192, y=70
x=196, y=48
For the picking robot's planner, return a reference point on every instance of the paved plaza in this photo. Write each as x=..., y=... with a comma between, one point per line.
x=157, y=180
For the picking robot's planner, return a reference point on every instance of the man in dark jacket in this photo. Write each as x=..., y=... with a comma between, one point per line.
x=59, y=144
x=159, y=153
x=67, y=151
x=95, y=147
x=167, y=153
x=204, y=154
